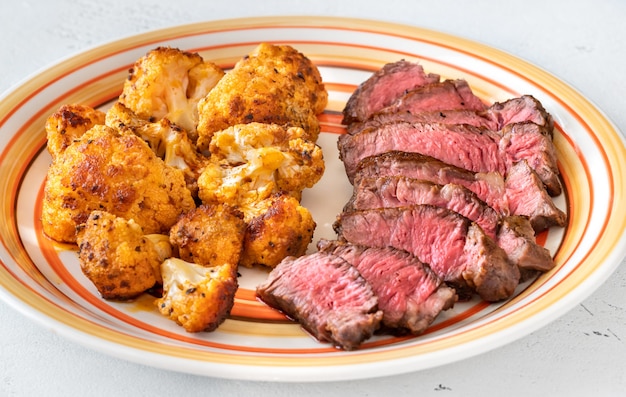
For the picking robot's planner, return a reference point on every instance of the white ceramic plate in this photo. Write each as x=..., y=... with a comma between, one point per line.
x=43, y=281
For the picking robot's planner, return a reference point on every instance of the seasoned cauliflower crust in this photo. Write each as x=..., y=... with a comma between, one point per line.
x=116, y=256
x=68, y=124
x=250, y=162
x=277, y=227
x=209, y=235
x=272, y=85
x=116, y=172
x=196, y=297
x=169, y=83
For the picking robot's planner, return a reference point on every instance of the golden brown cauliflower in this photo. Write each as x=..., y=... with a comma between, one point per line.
x=167, y=140
x=169, y=83
x=209, y=235
x=196, y=297
x=272, y=85
x=117, y=257
x=277, y=227
x=249, y=162
x=69, y=123
x=116, y=172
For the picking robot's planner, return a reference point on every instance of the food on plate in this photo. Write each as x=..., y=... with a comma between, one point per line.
x=409, y=293
x=150, y=210
x=476, y=149
x=443, y=180
x=250, y=162
x=117, y=257
x=273, y=84
x=327, y=295
x=455, y=248
x=168, y=83
x=278, y=226
x=166, y=139
x=209, y=235
x=514, y=234
x=198, y=298
x=69, y=123
x=113, y=171
x=521, y=193
x=383, y=87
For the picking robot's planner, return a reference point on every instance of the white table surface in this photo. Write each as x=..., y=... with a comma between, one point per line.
x=581, y=353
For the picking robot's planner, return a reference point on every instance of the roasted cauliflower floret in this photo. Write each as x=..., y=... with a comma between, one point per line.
x=196, y=297
x=277, y=227
x=272, y=85
x=167, y=140
x=69, y=123
x=116, y=172
x=209, y=235
x=249, y=162
x=117, y=257
x=169, y=83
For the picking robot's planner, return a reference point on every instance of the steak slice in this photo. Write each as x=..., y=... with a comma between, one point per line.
x=526, y=141
x=409, y=293
x=463, y=146
x=519, y=110
x=444, y=95
x=514, y=234
x=489, y=187
x=526, y=196
x=472, y=148
x=400, y=191
x=470, y=117
x=517, y=237
x=456, y=249
x=384, y=87
x=326, y=295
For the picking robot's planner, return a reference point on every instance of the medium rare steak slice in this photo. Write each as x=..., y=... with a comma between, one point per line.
x=470, y=117
x=514, y=234
x=517, y=237
x=526, y=141
x=489, y=187
x=472, y=148
x=463, y=146
x=400, y=191
x=326, y=295
x=519, y=110
x=527, y=197
x=409, y=293
x=454, y=247
x=444, y=95
x=384, y=87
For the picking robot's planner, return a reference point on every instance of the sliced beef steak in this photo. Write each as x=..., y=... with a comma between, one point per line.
x=514, y=234
x=409, y=293
x=526, y=196
x=444, y=95
x=384, y=87
x=454, y=247
x=326, y=295
x=470, y=117
x=517, y=237
x=400, y=191
x=526, y=141
x=519, y=110
x=463, y=146
x=472, y=148
x=489, y=187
